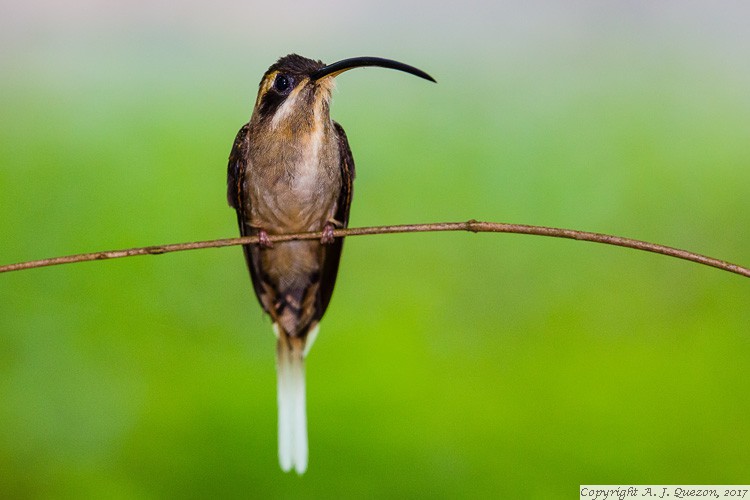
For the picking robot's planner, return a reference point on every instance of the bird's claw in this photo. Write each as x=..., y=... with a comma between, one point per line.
x=327, y=237
x=263, y=240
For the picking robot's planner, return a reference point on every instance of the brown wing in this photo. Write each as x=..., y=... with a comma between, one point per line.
x=236, y=167
x=237, y=200
x=333, y=251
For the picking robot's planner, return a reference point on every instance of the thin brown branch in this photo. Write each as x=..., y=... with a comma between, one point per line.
x=472, y=226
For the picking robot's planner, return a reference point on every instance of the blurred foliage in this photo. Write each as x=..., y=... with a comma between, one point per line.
x=449, y=365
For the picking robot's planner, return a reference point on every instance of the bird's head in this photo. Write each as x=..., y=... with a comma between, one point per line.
x=295, y=91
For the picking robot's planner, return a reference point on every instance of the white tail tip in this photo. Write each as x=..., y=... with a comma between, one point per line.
x=290, y=368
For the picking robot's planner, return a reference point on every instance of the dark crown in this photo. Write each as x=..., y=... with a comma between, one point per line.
x=296, y=65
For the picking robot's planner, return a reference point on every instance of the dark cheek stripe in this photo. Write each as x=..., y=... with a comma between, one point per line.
x=269, y=103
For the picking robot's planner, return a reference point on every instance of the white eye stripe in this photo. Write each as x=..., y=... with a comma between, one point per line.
x=288, y=105
x=285, y=109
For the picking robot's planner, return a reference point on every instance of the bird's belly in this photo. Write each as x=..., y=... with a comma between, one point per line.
x=300, y=201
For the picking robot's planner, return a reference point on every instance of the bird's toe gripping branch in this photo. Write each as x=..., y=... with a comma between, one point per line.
x=327, y=237
x=263, y=240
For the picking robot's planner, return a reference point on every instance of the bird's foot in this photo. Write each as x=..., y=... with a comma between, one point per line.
x=263, y=240
x=327, y=237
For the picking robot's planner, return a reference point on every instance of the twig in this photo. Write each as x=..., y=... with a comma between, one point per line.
x=471, y=225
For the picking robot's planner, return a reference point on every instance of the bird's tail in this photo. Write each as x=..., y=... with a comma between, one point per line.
x=290, y=368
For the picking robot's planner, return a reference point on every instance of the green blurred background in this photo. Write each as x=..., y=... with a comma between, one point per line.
x=449, y=365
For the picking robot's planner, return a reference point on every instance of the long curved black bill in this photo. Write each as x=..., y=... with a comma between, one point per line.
x=359, y=62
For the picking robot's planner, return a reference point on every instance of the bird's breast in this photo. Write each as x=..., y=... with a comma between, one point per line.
x=295, y=187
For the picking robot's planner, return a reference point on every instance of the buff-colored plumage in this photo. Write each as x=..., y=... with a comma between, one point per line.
x=290, y=171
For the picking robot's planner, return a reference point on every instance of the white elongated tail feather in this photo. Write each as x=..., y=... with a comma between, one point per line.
x=310, y=340
x=290, y=373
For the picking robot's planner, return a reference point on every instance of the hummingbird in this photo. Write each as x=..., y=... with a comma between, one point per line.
x=291, y=170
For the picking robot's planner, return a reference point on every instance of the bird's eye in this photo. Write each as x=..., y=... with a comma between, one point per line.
x=282, y=84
